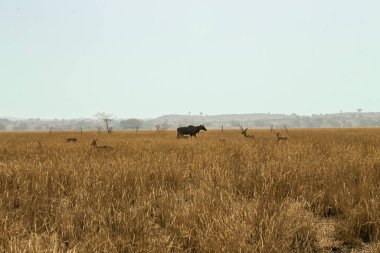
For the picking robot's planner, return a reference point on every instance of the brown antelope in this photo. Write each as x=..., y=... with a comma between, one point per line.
x=279, y=136
x=244, y=132
x=104, y=147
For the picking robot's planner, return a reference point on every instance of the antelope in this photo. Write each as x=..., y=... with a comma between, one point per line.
x=280, y=137
x=93, y=143
x=71, y=140
x=244, y=132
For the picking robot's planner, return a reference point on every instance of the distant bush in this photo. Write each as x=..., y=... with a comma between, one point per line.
x=21, y=127
x=131, y=124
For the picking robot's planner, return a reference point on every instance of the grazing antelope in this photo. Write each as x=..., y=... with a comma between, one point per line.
x=71, y=140
x=280, y=137
x=244, y=132
x=190, y=130
x=93, y=143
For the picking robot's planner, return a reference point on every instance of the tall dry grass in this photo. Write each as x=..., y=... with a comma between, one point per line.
x=217, y=193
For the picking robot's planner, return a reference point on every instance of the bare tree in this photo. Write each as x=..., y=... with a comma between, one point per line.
x=162, y=126
x=165, y=126
x=106, y=118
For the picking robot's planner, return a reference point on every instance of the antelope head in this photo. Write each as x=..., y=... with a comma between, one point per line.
x=244, y=132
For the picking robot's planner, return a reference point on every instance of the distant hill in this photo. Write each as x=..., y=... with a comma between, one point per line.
x=265, y=120
x=172, y=121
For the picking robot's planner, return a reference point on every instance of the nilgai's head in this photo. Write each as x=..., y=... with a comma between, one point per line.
x=93, y=142
x=203, y=127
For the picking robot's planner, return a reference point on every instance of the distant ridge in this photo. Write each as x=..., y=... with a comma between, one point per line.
x=172, y=121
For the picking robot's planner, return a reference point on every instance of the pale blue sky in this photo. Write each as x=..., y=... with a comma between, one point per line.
x=73, y=58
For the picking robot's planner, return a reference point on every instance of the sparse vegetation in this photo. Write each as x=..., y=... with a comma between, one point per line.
x=154, y=193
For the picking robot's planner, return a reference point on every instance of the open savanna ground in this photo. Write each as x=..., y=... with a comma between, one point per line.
x=319, y=191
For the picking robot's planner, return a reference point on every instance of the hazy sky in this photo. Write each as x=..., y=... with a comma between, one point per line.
x=73, y=58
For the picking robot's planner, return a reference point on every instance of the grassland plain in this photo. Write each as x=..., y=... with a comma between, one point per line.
x=317, y=192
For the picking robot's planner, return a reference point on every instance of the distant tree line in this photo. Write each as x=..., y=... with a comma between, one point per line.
x=344, y=120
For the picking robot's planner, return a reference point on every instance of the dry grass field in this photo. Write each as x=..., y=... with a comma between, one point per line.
x=319, y=191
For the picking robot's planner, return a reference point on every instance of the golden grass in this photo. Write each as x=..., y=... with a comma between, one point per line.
x=220, y=192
